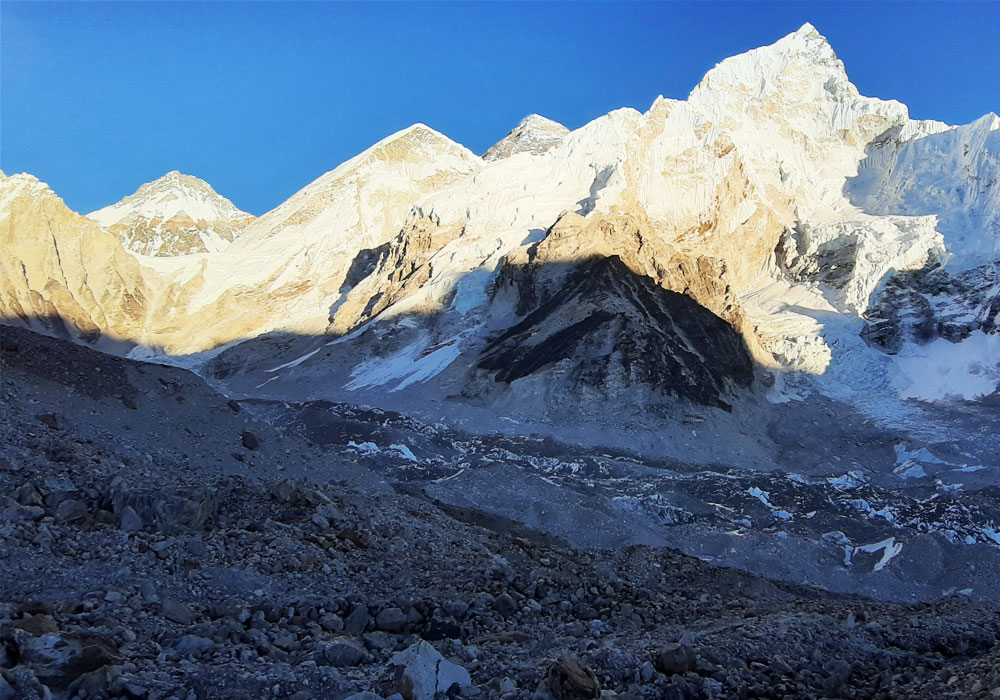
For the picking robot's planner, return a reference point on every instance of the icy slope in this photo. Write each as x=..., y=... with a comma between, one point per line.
x=174, y=215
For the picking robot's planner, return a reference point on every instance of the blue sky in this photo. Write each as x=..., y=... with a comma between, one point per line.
x=261, y=98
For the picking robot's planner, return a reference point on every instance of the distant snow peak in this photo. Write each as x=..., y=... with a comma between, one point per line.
x=535, y=134
x=175, y=214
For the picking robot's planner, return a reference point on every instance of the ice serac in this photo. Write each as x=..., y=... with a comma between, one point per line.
x=535, y=134
x=174, y=215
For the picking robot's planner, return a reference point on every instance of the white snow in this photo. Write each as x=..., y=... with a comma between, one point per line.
x=848, y=482
x=764, y=497
x=404, y=452
x=910, y=470
x=403, y=368
x=364, y=446
x=761, y=496
x=294, y=363
x=890, y=548
x=992, y=534
x=921, y=454
x=945, y=370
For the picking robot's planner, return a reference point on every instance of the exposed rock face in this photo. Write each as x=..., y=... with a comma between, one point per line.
x=604, y=330
x=535, y=134
x=174, y=215
x=927, y=304
x=61, y=272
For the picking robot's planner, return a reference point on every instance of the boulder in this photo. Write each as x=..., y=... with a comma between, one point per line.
x=390, y=620
x=421, y=673
x=58, y=659
x=130, y=520
x=675, y=659
x=568, y=679
x=357, y=619
x=250, y=440
x=71, y=510
x=343, y=652
x=169, y=511
x=176, y=611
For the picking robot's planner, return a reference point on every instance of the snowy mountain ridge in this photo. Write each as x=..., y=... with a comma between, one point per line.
x=534, y=134
x=173, y=215
x=776, y=197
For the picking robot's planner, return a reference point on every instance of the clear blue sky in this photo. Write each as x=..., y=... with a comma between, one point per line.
x=261, y=98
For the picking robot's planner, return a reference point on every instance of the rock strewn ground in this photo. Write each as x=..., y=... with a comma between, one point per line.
x=166, y=576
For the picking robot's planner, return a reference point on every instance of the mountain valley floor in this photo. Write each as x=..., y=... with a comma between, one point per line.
x=160, y=541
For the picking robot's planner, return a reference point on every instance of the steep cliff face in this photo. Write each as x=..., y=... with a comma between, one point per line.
x=174, y=215
x=775, y=198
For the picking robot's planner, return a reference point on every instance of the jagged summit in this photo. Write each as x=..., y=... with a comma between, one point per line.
x=534, y=134
x=175, y=214
x=798, y=67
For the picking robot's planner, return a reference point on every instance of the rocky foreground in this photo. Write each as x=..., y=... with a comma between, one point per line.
x=160, y=543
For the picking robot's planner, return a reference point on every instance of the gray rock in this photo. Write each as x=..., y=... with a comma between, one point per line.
x=343, y=652
x=194, y=645
x=505, y=605
x=675, y=659
x=50, y=420
x=456, y=608
x=357, y=619
x=170, y=511
x=71, y=510
x=647, y=672
x=332, y=623
x=364, y=695
x=330, y=513
x=379, y=641
x=148, y=591
x=18, y=514
x=421, y=673
x=7, y=691
x=176, y=611
x=28, y=495
x=779, y=664
x=59, y=659
x=250, y=440
x=130, y=520
x=390, y=620
x=568, y=679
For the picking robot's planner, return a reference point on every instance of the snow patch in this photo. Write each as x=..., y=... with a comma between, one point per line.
x=890, y=548
x=945, y=370
x=406, y=367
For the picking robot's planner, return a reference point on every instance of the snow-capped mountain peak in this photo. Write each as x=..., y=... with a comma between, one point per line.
x=175, y=214
x=534, y=134
x=776, y=196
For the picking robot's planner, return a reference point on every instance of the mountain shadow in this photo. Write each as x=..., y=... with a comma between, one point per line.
x=616, y=328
